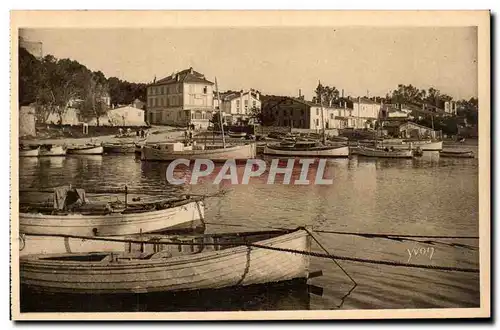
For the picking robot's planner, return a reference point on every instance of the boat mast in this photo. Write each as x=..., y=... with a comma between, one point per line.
x=322, y=115
x=220, y=114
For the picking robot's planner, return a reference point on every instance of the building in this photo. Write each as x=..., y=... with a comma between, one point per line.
x=27, y=121
x=450, y=107
x=126, y=116
x=180, y=99
x=138, y=104
x=365, y=113
x=408, y=129
x=292, y=112
x=238, y=105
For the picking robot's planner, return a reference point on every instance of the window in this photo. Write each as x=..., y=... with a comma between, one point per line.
x=246, y=103
x=254, y=103
x=317, y=112
x=317, y=122
x=205, y=90
x=237, y=103
x=331, y=116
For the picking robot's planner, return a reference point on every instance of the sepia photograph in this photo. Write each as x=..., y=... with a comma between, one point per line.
x=259, y=165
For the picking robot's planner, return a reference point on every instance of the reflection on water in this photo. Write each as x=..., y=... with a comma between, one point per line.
x=421, y=196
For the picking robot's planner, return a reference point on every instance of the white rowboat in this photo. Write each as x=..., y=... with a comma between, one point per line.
x=86, y=150
x=112, y=224
x=226, y=261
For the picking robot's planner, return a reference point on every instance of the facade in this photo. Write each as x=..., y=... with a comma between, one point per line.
x=238, y=105
x=181, y=99
x=126, y=116
x=291, y=112
x=450, y=107
x=365, y=112
x=409, y=129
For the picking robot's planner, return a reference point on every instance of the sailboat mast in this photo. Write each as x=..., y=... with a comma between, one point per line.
x=220, y=114
x=322, y=115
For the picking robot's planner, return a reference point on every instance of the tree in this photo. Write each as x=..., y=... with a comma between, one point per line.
x=93, y=104
x=326, y=94
x=216, y=120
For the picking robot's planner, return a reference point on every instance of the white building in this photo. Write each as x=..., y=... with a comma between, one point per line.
x=365, y=112
x=180, y=99
x=126, y=116
x=238, y=105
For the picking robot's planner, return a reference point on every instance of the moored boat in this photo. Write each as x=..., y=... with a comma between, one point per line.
x=119, y=148
x=51, y=150
x=306, y=149
x=86, y=150
x=383, y=153
x=183, y=264
x=457, y=154
x=175, y=150
x=29, y=152
x=72, y=214
x=424, y=145
x=236, y=134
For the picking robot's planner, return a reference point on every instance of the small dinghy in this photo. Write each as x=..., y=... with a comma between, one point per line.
x=457, y=154
x=86, y=150
x=237, y=134
x=181, y=263
x=52, y=150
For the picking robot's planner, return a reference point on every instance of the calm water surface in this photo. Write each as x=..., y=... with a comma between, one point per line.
x=425, y=196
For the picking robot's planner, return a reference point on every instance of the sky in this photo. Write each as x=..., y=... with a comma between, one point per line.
x=363, y=61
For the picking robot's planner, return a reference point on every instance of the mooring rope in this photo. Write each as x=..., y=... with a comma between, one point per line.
x=308, y=253
x=393, y=235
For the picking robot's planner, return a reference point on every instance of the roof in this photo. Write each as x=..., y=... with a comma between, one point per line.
x=186, y=76
x=364, y=100
x=125, y=107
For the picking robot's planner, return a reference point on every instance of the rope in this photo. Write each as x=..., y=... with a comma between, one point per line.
x=307, y=253
x=393, y=235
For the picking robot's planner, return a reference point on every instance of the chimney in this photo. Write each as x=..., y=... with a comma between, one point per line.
x=342, y=93
x=191, y=70
x=257, y=95
x=300, y=93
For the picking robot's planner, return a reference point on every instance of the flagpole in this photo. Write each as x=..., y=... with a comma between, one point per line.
x=322, y=115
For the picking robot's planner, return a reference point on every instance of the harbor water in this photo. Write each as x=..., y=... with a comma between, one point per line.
x=421, y=196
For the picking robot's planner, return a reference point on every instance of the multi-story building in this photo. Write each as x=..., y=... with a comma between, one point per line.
x=299, y=113
x=238, y=105
x=181, y=99
x=365, y=112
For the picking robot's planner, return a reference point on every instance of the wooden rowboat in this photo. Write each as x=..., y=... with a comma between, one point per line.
x=457, y=154
x=164, y=152
x=109, y=223
x=86, y=150
x=210, y=262
x=381, y=153
x=29, y=152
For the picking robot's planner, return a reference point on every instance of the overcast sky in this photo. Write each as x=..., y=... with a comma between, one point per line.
x=280, y=61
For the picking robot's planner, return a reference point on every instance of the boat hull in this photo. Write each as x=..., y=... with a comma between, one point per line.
x=240, y=152
x=86, y=151
x=369, y=152
x=405, y=145
x=113, y=224
x=319, y=152
x=54, y=151
x=236, y=266
x=119, y=149
x=29, y=153
x=464, y=154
